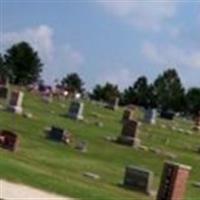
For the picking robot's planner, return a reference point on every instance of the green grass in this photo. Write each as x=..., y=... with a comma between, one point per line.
x=58, y=168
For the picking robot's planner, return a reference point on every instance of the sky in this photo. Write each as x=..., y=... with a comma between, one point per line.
x=107, y=40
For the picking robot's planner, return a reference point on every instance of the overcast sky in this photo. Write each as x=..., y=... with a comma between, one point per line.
x=114, y=41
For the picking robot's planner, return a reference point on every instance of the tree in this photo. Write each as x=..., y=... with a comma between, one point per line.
x=193, y=100
x=107, y=92
x=73, y=83
x=169, y=91
x=23, y=63
x=97, y=93
x=140, y=93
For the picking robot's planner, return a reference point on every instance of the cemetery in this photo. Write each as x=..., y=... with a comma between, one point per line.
x=105, y=170
x=99, y=100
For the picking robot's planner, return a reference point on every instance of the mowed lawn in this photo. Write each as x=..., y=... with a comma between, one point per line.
x=59, y=168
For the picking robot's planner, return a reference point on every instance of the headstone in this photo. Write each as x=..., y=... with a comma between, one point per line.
x=59, y=135
x=197, y=122
x=91, y=175
x=113, y=104
x=9, y=140
x=167, y=115
x=4, y=87
x=15, y=102
x=128, y=115
x=173, y=181
x=138, y=179
x=48, y=97
x=150, y=115
x=82, y=146
x=129, y=134
x=76, y=110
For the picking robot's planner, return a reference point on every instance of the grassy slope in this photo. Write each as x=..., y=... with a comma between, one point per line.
x=59, y=168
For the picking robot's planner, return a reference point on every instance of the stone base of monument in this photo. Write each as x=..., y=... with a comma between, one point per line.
x=129, y=141
x=76, y=117
x=15, y=109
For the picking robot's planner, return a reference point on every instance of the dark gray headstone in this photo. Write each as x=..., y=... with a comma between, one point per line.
x=138, y=179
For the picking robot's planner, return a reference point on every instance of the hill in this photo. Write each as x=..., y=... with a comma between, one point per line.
x=59, y=168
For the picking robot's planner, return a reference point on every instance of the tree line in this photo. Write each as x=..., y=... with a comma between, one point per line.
x=22, y=65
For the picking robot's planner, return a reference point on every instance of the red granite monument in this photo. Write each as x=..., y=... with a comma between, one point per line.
x=129, y=134
x=173, y=181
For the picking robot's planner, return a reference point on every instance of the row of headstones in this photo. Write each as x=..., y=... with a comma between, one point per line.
x=134, y=177
x=172, y=184
x=173, y=181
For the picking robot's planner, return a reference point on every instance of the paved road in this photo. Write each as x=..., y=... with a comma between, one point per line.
x=13, y=191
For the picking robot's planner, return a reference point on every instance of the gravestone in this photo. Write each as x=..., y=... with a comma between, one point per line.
x=9, y=140
x=129, y=134
x=76, y=110
x=197, y=122
x=138, y=179
x=150, y=115
x=113, y=104
x=127, y=115
x=47, y=98
x=167, y=114
x=4, y=87
x=15, y=102
x=59, y=135
x=82, y=146
x=173, y=181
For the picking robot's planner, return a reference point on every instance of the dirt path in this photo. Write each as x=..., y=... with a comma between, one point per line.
x=13, y=191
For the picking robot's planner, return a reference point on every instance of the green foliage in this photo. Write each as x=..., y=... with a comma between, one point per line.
x=169, y=91
x=106, y=93
x=193, y=100
x=73, y=83
x=141, y=93
x=23, y=63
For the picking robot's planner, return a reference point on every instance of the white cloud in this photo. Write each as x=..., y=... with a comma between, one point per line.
x=58, y=59
x=72, y=57
x=171, y=54
x=147, y=15
x=41, y=38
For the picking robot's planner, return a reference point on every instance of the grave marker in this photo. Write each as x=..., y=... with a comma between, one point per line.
x=9, y=140
x=173, y=181
x=76, y=110
x=4, y=87
x=150, y=115
x=138, y=179
x=197, y=122
x=59, y=135
x=129, y=134
x=113, y=104
x=127, y=115
x=15, y=102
